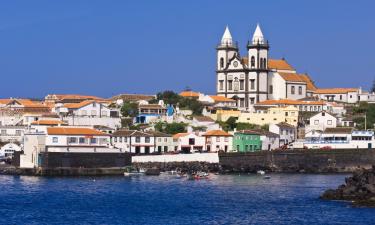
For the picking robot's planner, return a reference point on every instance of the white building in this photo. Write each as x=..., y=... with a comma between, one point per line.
x=8, y=150
x=12, y=133
x=256, y=78
x=286, y=132
x=270, y=141
x=89, y=113
x=218, y=140
x=189, y=142
x=321, y=121
x=133, y=141
x=63, y=140
x=342, y=138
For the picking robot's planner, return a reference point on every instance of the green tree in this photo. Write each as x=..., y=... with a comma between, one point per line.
x=192, y=104
x=169, y=97
x=231, y=122
x=129, y=109
x=174, y=128
x=245, y=126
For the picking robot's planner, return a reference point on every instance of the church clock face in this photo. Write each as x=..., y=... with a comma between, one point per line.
x=235, y=63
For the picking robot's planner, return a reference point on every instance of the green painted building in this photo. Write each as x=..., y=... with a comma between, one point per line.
x=247, y=141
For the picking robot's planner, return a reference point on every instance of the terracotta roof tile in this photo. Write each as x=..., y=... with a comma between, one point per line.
x=189, y=94
x=335, y=90
x=292, y=77
x=279, y=64
x=178, y=135
x=217, y=98
x=217, y=133
x=74, y=131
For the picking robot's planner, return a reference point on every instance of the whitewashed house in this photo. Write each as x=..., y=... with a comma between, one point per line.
x=90, y=113
x=270, y=141
x=7, y=151
x=286, y=132
x=321, y=121
x=63, y=140
x=133, y=141
x=218, y=140
x=12, y=133
x=189, y=142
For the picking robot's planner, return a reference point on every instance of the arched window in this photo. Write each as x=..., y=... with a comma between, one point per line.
x=252, y=61
x=265, y=63
x=261, y=63
x=300, y=90
x=293, y=91
x=221, y=62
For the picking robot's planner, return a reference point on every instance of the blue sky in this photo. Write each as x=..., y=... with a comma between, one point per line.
x=105, y=48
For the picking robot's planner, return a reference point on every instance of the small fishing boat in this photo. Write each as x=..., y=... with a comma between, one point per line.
x=261, y=172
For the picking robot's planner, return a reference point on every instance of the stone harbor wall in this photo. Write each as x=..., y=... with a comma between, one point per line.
x=309, y=161
x=84, y=160
x=196, y=157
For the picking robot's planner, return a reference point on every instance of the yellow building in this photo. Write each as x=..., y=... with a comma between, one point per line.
x=224, y=115
x=275, y=115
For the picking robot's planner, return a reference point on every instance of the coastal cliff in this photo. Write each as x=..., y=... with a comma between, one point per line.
x=360, y=189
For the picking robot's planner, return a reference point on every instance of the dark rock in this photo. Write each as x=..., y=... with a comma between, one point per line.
x=360, y=189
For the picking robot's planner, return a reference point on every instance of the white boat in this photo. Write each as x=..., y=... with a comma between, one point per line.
x=261, y=172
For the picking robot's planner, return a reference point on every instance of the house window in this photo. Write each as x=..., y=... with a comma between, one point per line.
x=221, y=62
x=147, y=139
x=226, y=139
x=72, y=140
x=55, y=139
x=329, y=122
x=252, y=84
x=230, y=84
x=293, y=90
x=18, y=132
x=82, y=140
x=120, y=139
x=252, y=61
x=340, y=97
x=94, y=104
x=242, y=84
x=115, y=139
x=125, y=139
x=83, y=113
x=271, y=89
x=221, y=84
x=217, y=139
x=316, y=122
x=300, y=90
x=3, y=132
x=191, y=141
x=137, y=139
x=93, y=112
x=252, y=101
x=93, y=140
x=351, y=96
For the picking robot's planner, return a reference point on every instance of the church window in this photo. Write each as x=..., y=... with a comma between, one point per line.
x=242, y=84
x=252, y=61
x=252, y=84
x=300, y=90
x=221, y=62
x=242, y=102
x=271, y=89
x=230, y=85
x=265, y=63
x=221, y=84
x=293, y=90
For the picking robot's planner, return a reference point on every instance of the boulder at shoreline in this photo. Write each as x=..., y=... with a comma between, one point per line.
x=359, y=189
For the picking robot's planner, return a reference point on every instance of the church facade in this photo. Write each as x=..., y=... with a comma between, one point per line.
x=256, y=78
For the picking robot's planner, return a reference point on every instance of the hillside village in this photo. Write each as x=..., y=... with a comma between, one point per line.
x=261, y=104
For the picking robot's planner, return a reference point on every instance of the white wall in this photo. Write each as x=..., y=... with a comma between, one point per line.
x=196, y=157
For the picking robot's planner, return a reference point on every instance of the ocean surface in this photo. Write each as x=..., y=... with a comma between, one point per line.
x=223, y=199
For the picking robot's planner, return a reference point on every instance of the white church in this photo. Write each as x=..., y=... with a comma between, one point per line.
x=255, y=77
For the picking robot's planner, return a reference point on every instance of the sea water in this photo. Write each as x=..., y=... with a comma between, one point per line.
x=222, y=199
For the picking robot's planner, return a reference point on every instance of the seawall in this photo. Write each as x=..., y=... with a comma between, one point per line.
x=309, y=161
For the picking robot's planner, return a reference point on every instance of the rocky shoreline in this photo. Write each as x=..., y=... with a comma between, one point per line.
x=359, y=189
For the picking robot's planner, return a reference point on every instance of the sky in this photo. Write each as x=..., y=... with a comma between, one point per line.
x=105, y=48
